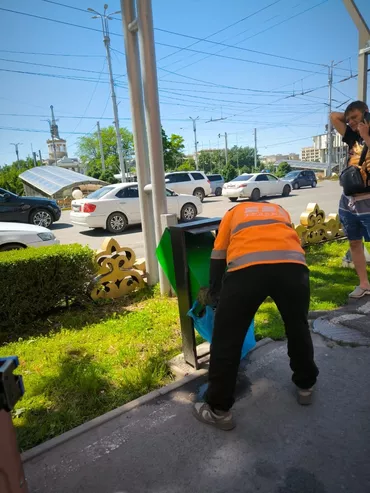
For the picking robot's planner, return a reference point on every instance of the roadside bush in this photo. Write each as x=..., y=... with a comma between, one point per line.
x=35, y=280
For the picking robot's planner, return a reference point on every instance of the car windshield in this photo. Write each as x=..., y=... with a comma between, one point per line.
x=292, y=174
x=242, y=178
x=98, y=194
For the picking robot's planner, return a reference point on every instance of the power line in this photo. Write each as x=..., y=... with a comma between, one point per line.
x=256, y=34
x=221, y=30
x=51, y=66
x=64, y=5
x=241, y=48
x=169, y=45
x=50, y=54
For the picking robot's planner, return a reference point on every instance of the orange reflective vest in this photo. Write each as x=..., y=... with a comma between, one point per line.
x=257, y=233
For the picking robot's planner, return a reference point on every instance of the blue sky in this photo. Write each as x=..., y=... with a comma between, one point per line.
x=226, y=86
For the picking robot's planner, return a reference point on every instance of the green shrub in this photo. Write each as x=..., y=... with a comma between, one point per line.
x=35, y=280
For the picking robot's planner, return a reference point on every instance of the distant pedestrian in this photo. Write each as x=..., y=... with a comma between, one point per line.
x=354, y=210
x=264, y=257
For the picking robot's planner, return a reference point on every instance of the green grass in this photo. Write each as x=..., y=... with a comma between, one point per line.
x=82, y=362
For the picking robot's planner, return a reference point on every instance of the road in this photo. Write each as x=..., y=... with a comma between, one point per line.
x=326, y=195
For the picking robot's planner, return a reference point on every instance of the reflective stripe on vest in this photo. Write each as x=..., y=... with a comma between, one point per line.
x=270, y=255
x=258, y=222
x=218, y=254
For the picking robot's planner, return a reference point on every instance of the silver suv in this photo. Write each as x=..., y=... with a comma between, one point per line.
x=189, y=183
x=217, y=182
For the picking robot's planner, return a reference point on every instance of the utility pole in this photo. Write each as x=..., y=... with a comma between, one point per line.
x=16, y=149
x=255, y=149
x=329, y=135
x=100, y=147
x=104, y=21
x=153, y=120
x=363, y=47
x=195, y=140
x=226, y=155
x=130, y=31
x=40, y=157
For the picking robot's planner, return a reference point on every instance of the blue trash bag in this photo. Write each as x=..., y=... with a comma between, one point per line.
x=204, y=324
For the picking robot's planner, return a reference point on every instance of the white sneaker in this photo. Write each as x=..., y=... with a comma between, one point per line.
x=359, y=292
x=222, y=419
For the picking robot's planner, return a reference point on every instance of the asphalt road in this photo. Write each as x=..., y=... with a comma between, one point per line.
x=326, y=195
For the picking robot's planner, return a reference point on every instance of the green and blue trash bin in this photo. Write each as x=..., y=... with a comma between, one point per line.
x=184, y=254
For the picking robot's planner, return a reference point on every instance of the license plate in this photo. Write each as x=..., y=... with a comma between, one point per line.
x=76, y=208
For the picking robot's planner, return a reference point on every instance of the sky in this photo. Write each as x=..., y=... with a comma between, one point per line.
x=272, y=75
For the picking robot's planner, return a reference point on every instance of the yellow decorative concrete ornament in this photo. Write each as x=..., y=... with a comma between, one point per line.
x=117, y=275
x=315, y=227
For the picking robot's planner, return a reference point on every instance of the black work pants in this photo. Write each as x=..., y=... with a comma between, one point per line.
x=242, y=293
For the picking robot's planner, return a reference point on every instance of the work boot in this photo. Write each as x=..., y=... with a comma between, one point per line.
x=220, y=419
x=305, y=396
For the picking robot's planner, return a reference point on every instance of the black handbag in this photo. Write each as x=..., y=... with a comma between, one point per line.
x=351, y=179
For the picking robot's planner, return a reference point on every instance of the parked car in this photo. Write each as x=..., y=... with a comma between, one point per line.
x=189, y=182
x=15, y=236
x=114, y=207
x=217, y=182
x=255, y=186
x=298, y=179
x=39, y=211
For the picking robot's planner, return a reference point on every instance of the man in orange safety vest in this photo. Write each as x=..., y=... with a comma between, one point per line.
x=263, y=257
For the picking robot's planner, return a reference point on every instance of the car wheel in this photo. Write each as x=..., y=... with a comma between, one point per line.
x=218, y=191
x=199, y=192
x=117, y=222
x=42, y=217
x=295, y=186
x=233, y=199
x=286, y=191
x=256, y=195
x=188, y=212
x=11, y=246
x=314, y=183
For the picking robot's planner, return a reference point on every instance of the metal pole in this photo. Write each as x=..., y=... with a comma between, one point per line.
x=226, y=155
x=153, y=120
x=100, y=147
x=40, y=157
x=115, y=108
x=329, y=136
x=195, y=140
x=130, y=30
x=16, y=149
x=364, y=38
x=255, y=149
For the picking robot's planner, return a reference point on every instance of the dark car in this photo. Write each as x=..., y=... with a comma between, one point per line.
x=34, y=210
x=298, y=179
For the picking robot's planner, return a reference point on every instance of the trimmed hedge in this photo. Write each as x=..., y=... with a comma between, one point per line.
x=36, y=280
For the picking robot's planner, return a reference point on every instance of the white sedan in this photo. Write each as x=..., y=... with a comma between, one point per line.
x=254, y=186
x=15, y=236
x=114, y=207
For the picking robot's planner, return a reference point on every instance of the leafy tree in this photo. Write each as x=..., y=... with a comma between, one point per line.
x=173, y=150
x=89, y=151
x=211, y=161
x=229, y=173
x=188, y=165
x=283, y=169
x=9, y=175
x=240, y=157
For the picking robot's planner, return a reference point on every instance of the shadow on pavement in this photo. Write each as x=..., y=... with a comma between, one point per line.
x=56, y=226
x=101, y=233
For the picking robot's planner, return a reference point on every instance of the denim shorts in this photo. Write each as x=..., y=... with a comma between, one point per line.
x=355, y=218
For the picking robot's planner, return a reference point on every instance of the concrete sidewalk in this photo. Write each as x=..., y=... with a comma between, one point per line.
x=277, y=447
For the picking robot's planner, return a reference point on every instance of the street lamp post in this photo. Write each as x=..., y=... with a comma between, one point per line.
x=16, y=149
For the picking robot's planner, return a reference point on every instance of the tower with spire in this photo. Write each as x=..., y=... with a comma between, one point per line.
x=57, y=147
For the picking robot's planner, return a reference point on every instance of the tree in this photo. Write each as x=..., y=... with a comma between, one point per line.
x=229, y=173
x=211, y=161
x=283, y=169
x=9, y=175
x=173, y=150
x=187, y=165
x=89, y=151
x=242, y=157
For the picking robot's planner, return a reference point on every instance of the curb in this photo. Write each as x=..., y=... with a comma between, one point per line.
x=100, y=420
